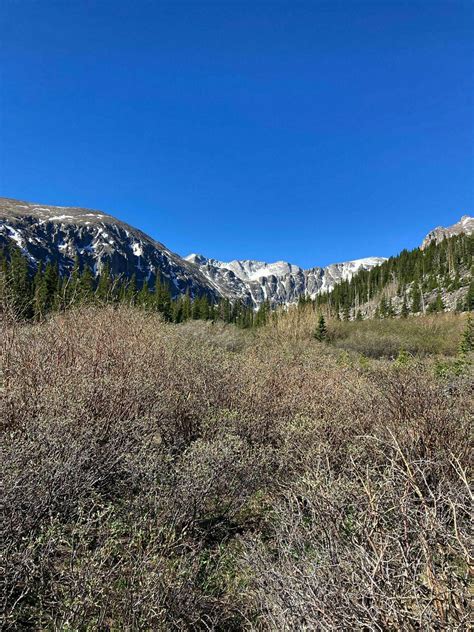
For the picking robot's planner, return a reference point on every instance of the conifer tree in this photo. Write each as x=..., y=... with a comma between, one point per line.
x=104, y=284
x=40, y=298
x=467, y=341
x=86, y=285
x=321, y=330
x=3, y=280
x=390, y=311
x=129, y=291
x=383, y=307
x=469, y=301
x=177, y=310
x=416, y=298
x=19, y=284
x=405, y=309
x=225, y=311
x=437, y=305
x=187, y=306
x=261, y=317
x=72, y=290
x=144, y=299
x=459, y=306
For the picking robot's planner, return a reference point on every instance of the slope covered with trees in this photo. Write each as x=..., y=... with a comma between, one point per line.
x=33, y=295
x=432, y=279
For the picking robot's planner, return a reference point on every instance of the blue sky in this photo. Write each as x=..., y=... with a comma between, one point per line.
x=310, y=132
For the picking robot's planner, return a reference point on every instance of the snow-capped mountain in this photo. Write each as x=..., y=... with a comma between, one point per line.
x=283, y=283
x=59, y=234
x=465, y=225
x=280, y=283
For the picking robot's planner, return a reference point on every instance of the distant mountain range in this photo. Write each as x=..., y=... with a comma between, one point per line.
x=279, y=283
x=62, y=234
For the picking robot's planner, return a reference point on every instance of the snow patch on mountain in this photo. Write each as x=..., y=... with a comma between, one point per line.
x=465, y=225
x=59, y=234
x=254, y=282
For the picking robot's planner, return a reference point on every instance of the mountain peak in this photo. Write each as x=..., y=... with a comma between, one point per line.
x=60, y=234
x=465, y=225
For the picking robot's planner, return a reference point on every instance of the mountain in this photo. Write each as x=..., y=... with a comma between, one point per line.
x=59, y=234
x=283, y=283
x=435, y=277
x=279, y=283
x=465, y=225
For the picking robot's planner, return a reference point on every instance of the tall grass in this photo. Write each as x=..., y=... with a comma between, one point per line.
x=161, y=477
x=432, y=335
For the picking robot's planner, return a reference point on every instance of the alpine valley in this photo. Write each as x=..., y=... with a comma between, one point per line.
x=66, y=236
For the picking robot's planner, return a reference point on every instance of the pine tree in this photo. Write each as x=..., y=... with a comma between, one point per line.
x=469, y=300
x=3, y=280
x=467, y=341
x=459, y=306
x=144, y=299
x=416, y=298
x=225, y=310
x=437, y=305
x=40, y=296
x=187, y=306
x=162, y=298
x=86, y=285
x=321, y=330
x=177, y=310
x=405, y=309
x=72, y=290
x=104, y=284
x=263, y=312
x=383, y=307
x=390, y=313
x=129, y=291
x=19, y=287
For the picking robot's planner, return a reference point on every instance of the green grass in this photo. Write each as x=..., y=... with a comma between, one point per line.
x=422, y=336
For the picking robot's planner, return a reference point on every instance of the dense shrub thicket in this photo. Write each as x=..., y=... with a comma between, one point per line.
x=197, y=476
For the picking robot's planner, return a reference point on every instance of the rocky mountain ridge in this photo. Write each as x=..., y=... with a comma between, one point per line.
x=465, y=225
x=60, y=234
x=280, y=282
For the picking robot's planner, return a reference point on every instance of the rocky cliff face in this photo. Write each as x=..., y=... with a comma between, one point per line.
x=58, y=234
x=279, y=283
x=465, y=225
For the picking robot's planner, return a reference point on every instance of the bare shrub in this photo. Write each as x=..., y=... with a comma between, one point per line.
x=199, y=477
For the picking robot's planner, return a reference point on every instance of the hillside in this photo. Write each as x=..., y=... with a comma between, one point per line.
x=437, y=277
x=52, y=258
x=69, y=236
x=65, y=235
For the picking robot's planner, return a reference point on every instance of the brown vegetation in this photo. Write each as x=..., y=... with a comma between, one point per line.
x=161, y=477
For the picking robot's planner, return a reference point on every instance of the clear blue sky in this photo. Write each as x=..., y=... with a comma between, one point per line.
x=311, y=132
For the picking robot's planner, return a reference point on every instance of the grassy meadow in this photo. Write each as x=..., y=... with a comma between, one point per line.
x=204, y=477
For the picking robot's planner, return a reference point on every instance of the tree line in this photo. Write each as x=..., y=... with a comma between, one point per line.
x=444, y=267
x=32, y=291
